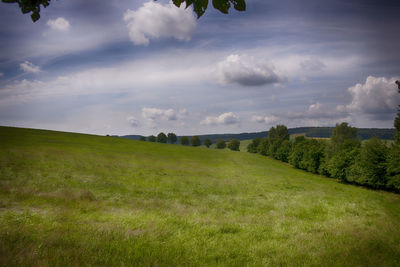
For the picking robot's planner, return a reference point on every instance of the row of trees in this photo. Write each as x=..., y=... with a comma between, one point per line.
x=171, y=138
x=373, y=163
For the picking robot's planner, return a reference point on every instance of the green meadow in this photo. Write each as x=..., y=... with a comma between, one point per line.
x=79, y=200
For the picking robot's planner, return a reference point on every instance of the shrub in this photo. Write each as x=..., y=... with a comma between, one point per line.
x=283, y=151
x=161, y=138
x=207, y=142
x=195, y=141
x=151, y=138
x=393, y=168
x=370, y=167
x=252, y=147
x=220, y=144
x=263, y=147
x=234, y=145
x=184, y=140
x=172, y=138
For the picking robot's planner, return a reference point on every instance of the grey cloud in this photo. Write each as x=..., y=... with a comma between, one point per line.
x=164, y=114
x=133, y=121
x=312, y=64
x=246, y=70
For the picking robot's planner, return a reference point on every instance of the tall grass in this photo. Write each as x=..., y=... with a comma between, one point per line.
x=72, y=199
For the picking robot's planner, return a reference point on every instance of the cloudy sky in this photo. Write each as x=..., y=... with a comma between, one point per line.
x=141, y=67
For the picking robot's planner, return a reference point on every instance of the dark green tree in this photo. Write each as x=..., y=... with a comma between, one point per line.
x=234, y=145
x=252, y=147
x=297, y=152
x=397, y=120
x=263, y=147
x=151, y=138
x=275, y=137
x=195, y=141
x=199, y=6
x=337, y=164
x=221, y=144
x=370, y=167
x=162, y=138
x=283, y=151
x=184, y=140
x=343, y=132
x=172, y=138
x=393, y=168
x=207, y=142
x=142, y=138
x=313, y=154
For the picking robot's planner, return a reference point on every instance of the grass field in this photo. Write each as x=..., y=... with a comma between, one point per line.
x=77, y=200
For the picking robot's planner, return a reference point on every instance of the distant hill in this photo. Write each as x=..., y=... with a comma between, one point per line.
x=322, y=132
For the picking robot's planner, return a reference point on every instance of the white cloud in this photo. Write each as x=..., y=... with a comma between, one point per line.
x=246, y=70
x=59, y=24
x=29, y=67
x=163, y=114
x=377, y=98
x=269, y=120
x=133, y=121
x=154, y=20
x=223, y=119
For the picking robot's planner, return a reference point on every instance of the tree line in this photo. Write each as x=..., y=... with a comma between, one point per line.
x=373, y=163
x=195, y=141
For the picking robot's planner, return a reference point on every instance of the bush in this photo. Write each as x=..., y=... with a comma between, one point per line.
x=370, y=167
x=142, y=138
x=252, y=147
x=296, y=154
x=343, y=157
x=283, y=151
x=172, y=138
x=184, y=140
x=207, y=142
x=393, y=168
x=151, y=138
x=220, y=144
x=161, y=138
x=234, y=145
x=263, y=147
x=195, y=141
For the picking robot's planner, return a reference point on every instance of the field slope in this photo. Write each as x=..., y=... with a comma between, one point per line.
x=73, y=199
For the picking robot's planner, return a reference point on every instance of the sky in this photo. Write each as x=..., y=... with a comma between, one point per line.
x=142, y=67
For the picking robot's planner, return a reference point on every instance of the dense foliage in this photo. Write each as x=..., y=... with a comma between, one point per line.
x=184, y=141
x=172, y=138
x=195, y=141
x=373, y=163
x=207, y=142
x=162, y=138
x=221, y=144
x=234, y=145
x=151, y=138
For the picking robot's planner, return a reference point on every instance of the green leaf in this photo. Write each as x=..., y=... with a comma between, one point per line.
x=239, y=5
x=35, y=16
x=222, y=5
x=199, y=7
x=178, y=2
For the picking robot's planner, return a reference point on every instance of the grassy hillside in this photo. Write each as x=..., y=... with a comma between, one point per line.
x=72, y=199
